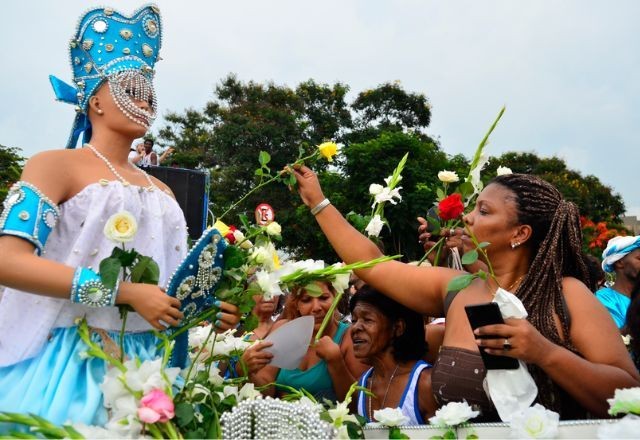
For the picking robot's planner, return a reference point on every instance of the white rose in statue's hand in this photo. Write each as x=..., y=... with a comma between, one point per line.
x=453, y=414
x=626, y=400
x=274, y=228
x=121, y=227
x=390, y=417
x=535, y=422
x=448, y=176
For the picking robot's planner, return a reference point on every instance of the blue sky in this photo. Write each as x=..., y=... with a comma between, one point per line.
x=566, y=70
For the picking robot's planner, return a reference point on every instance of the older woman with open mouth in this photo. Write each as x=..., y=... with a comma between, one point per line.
x=391, y=338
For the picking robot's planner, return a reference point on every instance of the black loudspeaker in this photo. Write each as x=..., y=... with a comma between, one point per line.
x=191, y=188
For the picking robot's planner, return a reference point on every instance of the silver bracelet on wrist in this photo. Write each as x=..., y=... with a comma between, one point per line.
x=320, y=206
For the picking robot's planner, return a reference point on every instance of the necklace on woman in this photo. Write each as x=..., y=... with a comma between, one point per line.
x=384, y=399
x=124, y=182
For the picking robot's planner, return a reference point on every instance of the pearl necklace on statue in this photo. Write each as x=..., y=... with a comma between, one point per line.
x=124, y=182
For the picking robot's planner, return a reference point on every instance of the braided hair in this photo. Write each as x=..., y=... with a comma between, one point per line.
x=556, y=244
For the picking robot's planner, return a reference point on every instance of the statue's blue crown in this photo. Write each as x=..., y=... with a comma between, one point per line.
x=107, y=42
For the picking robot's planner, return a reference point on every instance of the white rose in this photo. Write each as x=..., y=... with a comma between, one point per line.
x=239, y=236
x=626, y=427
x=388, y=195
x=453, y=414
x=374, y=227
x=375, y=189
x=121, y=227
x=341, y=281
x=390, y=417
x=626, y=400
x=342, y=433
x=535, y=422
x=274, y=228
x=215, y=378
x=626, y=339
x=340, y=413
x=269, y=283
x=501, y=171
x=248, y=392
x=448, y=176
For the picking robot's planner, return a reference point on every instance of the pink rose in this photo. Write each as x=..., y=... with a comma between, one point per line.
x=156, y=406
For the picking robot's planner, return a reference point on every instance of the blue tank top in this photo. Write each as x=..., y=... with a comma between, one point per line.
x=409, y=400
x=316, y=379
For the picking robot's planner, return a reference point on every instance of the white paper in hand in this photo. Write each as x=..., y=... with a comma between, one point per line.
x=511, y=390
x=290, y=342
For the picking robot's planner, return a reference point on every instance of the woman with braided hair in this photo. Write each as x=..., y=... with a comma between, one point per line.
x=568, y=341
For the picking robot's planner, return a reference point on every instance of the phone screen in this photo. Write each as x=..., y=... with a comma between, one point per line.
x=485, y=314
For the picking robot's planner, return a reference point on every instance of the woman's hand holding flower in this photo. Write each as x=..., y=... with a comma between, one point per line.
x=155, y=306
x=255, y=358
x=327, y=349
x=308, y=186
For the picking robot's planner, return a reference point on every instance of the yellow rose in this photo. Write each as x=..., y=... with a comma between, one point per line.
x=221, y=227
x=328, y=150
x=121, y=227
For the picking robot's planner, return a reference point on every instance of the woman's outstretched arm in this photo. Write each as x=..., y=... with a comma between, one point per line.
x=419, y=288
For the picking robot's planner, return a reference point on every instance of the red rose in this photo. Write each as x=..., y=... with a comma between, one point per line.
x=451, y=207
x=230, y=237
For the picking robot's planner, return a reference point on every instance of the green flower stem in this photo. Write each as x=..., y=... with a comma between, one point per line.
x=424, y=257
x=242, y=199
x=154, y=430
x=95, y=349
x=285, y=171
x=171, y=430
x=195, y=360
x=124, y=313
x=481, y=250
x=195, y=321
x=328, y=316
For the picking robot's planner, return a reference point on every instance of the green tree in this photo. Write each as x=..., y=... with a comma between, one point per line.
x=11, y=163
x=596, y=201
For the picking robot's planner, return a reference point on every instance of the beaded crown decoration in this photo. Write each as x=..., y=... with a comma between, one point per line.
x=194, y=283
x=107, y=44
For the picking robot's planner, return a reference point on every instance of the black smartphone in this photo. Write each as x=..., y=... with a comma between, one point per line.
x=485, y=314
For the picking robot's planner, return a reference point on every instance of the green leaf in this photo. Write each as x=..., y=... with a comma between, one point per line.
x=128, y=257
x=198, y=433
x=251, y=322
x=472, y=436
x=233, y=257
x=73, y=434
x=259, y=172
x=145, y=271
x=434, y=225
x=264, y=158
x=184, y=413
x=313, y=289
x=292, y=180
x=460, y=282
x=483, y=245
x=450, y=434
x=465, y=189
x=482, y=274
x=440, y=194
x=110, y=271
x=395, y=432
x=470, y=257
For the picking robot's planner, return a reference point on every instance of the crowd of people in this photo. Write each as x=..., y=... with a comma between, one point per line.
x=51, y=241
